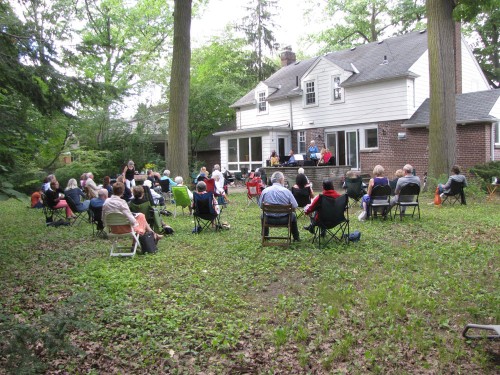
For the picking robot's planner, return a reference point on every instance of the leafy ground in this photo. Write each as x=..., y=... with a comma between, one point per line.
x=395, y=302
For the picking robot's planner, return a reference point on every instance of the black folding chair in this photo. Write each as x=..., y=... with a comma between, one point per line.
x=52, y=214
x=408, y=197
x=380, y=199
x=455, y=194
x=79, y=215
x=333, y=222
x=165, y=190
x=303, y=198
x=354, y=190
x=96, y=221
x=204, y=212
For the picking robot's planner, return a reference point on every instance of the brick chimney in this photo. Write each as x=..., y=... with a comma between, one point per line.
x=287, y=56
x=457, y=41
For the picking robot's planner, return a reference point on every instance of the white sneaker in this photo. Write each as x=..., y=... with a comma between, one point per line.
x=362, y=216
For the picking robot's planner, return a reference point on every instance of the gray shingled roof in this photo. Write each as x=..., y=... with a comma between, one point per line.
x=401, y=53
x=472, y=107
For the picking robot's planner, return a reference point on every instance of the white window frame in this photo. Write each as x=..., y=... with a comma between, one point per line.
x=262, y=102
x=313, y=82
x=363, y=145
x=336, y=85
x=239, y=162
x=301, y=138
x=496, y=127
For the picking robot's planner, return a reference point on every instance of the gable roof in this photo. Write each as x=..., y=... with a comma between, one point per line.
x=473, y=107
x=401, y=53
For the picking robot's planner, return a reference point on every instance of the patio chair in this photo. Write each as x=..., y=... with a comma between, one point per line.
x=303, y=198
x=333, y=222
x=455, y=194
x=253, y=192
x=181, y=198
x=380, y=199
x=408, y=197
x=204, y=212
x=268, y=221
x=113, y=219
x=354, y=190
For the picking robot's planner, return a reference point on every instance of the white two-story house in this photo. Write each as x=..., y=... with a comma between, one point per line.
x=355, y=102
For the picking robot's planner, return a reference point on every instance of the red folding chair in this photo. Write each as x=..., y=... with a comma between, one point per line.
x=253, y=192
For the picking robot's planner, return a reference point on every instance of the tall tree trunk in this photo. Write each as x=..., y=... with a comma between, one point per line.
x=179, y=90
x=442, y=126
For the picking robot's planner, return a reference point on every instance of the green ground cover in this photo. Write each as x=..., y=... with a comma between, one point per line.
x=395, y=302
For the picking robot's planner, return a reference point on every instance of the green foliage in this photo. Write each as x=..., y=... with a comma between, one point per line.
x=486, y=171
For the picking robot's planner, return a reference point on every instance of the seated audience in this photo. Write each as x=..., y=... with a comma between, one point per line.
x=278, y=194
x=127, y=193
x=377, y=180
x=138, y=195
x=36, y=199
x=166, y=176
x=180, y=182
x=291, y=160
x=55, y=198
x=301, y=171
x=403, y=181
x=258, y=179
x=301, y=182
x=102, y=195
x=397, y=175
x=456, y=176
x=312, y=209
x=228, y=176
x=201, y=188
x=106, y=184
x=154, y=177
x=46, y=182
x=203, y=175
x=76, y=194
x=83, y=180
x=115, y=204
x=90, y=186
x=157, y=198
x=274, y=159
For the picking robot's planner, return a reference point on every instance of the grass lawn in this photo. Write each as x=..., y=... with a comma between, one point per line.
x=394, y=302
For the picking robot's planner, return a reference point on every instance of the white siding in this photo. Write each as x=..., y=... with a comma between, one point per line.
x=473, y=78
x=421, y=83
x=279, y=112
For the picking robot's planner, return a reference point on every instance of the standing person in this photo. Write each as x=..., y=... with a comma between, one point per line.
x=129, y=173
x=377, y=180
x=75, y=193
x=313, y=151
x=219, y=180
x=277, y=193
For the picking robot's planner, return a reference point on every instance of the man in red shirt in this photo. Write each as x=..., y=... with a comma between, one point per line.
x=311, y=209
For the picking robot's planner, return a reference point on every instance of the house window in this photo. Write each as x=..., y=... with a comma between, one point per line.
x=497, y=134
x=244, y=153
x=301, y=142
x=371, y=138
x=262, y=102
x=310, y=93
x=337, y=90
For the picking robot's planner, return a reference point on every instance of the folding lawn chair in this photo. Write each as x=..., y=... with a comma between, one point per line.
x=408, y=197
x=253, y=192
x=165, y=190
x=270, y=221
x=181, y=198
x=96, y=221
x=455, y=194
x=113, y=219
x=354, y=190
x=494, y=331
x=151, y=213
x=303, y=198
x=79, y=214
x=204, y=212
x=333, y=222
x=380, y=199
x=52, y=214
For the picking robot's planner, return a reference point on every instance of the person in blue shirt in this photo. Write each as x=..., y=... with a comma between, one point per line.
x=313, y=151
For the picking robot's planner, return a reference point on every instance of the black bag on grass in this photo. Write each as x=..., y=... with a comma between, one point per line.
x=148, y=243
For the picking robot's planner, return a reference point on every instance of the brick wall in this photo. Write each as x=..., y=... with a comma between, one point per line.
x=473, y=147
x=209, y=158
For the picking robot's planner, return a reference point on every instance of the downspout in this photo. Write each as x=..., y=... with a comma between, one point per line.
x=493, y=141
x=291, y=114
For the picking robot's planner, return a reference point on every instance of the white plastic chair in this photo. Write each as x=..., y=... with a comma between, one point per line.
x=120, y=219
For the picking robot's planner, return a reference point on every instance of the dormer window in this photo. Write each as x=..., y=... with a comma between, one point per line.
x=337, y=90
x=262, y=102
